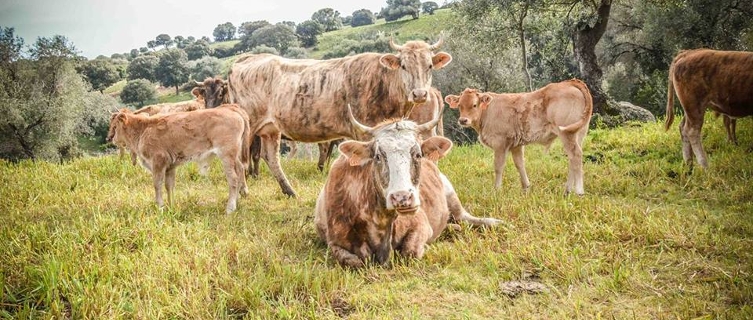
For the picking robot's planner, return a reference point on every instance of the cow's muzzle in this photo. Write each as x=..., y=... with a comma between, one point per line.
x=419, y=95
x=464, y=122
x=404, y=202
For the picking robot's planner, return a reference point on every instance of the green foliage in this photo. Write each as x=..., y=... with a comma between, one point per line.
x=397, y=9
x=372, y=43
x=264, y=49
x=308, y=31
x=247, y=28
x=329, y=18
x=362, y=17
x=429, y=7
x=164, y=40
x=296, y=53
x=224, y=32
x=138, y=92
x=277, y=36
x=100, y=73
x=198, y=49
x=44, y=102
x=143, y=67
x=171, y=70
x=205, y=67
x=649, y=240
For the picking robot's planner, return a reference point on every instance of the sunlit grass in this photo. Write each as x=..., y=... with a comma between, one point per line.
x=650, y=239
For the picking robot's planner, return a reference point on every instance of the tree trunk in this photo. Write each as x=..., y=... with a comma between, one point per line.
x=585, y=38
x=176, y=90
x=522, y=37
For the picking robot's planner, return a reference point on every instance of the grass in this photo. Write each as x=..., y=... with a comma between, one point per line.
x=650, y=239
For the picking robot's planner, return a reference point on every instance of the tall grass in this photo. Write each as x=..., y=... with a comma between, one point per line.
x=650, y=239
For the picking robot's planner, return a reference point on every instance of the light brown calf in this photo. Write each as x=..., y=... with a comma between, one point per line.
x=507, y=122
x=167, y=141
x=719, y=80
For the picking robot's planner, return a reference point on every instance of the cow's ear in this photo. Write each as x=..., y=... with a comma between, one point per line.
x=452, y=100
x=485, y=100
x=122, y=118
x=436, y=147
x=198, y=92
x=358, y=153
x=441, y=59
x=390, y=61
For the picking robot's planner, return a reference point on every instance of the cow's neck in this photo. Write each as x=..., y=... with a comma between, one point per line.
x=380, y=236
x=134, y=130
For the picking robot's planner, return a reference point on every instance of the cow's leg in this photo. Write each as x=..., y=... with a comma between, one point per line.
x=271, y=154
x=133, y=158
x=730, y=125
x=293, y=146
x=520, y=164
x=575, y=168
x=158, y=176
x=500, y=156
x=687, y=151
x=170, y=184
x=457, y=211
x=256, y=150
x=323, y=154
x=345, y=257
x=231, y=174
x=692, y=132
x=240, y=173
x=414, y=243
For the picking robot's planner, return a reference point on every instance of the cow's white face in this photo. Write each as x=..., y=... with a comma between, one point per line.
x=415, y=62
x=395, y=157
x=471, y=104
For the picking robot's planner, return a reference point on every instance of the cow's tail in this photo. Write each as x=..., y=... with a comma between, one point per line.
x=246, y=145
x=587, y=111
x=670, y=99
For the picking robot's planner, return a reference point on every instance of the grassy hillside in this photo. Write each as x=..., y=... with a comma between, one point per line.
x=648, y=240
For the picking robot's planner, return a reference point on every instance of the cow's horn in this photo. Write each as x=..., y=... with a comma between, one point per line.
x=362, y=128
x=394, y=46
x=431, y=124
x=436, y=45
x=199, y=83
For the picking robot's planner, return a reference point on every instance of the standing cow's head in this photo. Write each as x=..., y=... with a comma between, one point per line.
x=395, y=154
x=415, y=60
x=117, y=120
x=213, y=90
x=471, y=104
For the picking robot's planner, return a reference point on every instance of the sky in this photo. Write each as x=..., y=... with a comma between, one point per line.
x=104, y=27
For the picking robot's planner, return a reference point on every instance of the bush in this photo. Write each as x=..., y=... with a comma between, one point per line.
x=138, y=92
x=204, y=68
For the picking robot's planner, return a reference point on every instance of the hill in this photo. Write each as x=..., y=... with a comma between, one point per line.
x=648, y=240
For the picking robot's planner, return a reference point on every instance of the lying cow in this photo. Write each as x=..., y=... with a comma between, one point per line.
x=167, y=141
x=165, y=108
x=508, y=122
x=386, y=194
x=720, y=80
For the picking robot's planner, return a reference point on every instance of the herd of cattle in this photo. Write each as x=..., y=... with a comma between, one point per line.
x=385, y=192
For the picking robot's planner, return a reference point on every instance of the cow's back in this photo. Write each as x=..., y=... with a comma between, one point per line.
x=721, y=80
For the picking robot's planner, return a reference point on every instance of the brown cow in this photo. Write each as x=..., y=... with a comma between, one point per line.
x=166, y=141
x=386, y=194
x=508, y=122
x=702, y=78
x=730, y=125
x=305, y=100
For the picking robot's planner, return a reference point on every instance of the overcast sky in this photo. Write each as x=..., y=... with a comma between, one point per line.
x=104, y=27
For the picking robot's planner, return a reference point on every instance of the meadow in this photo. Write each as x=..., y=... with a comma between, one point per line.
x=651, y=239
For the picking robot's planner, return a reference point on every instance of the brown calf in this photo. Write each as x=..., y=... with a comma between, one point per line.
x=719, y=80
x=167, y=141
x=508, y=122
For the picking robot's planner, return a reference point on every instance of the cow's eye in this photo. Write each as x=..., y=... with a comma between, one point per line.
x=417, y=156
x=403, y=66
x=475, y=105
x=378, y=157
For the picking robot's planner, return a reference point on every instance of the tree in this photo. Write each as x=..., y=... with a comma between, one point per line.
x=362, y=17
x=296, y=53
x=205, y=67
x=224, y=32
x=308, y=31
x=151, y=44
x=198, y=49
x=247, y=28
x=289, y=24
x=43, y=101
x=429, y=7
x=180, y=42
x=329, y=18
x=143, y=67
x=279, y=37
x=138, y=92
x=143, y=50
x=347, y=20
x=163, y=40
x=397, y=9
x=133, y=53
x=171, y=70
x=586, y=33
x=100, y=73
x=264, y=49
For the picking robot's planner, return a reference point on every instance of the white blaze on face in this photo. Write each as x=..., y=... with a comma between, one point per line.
x=397, y=149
